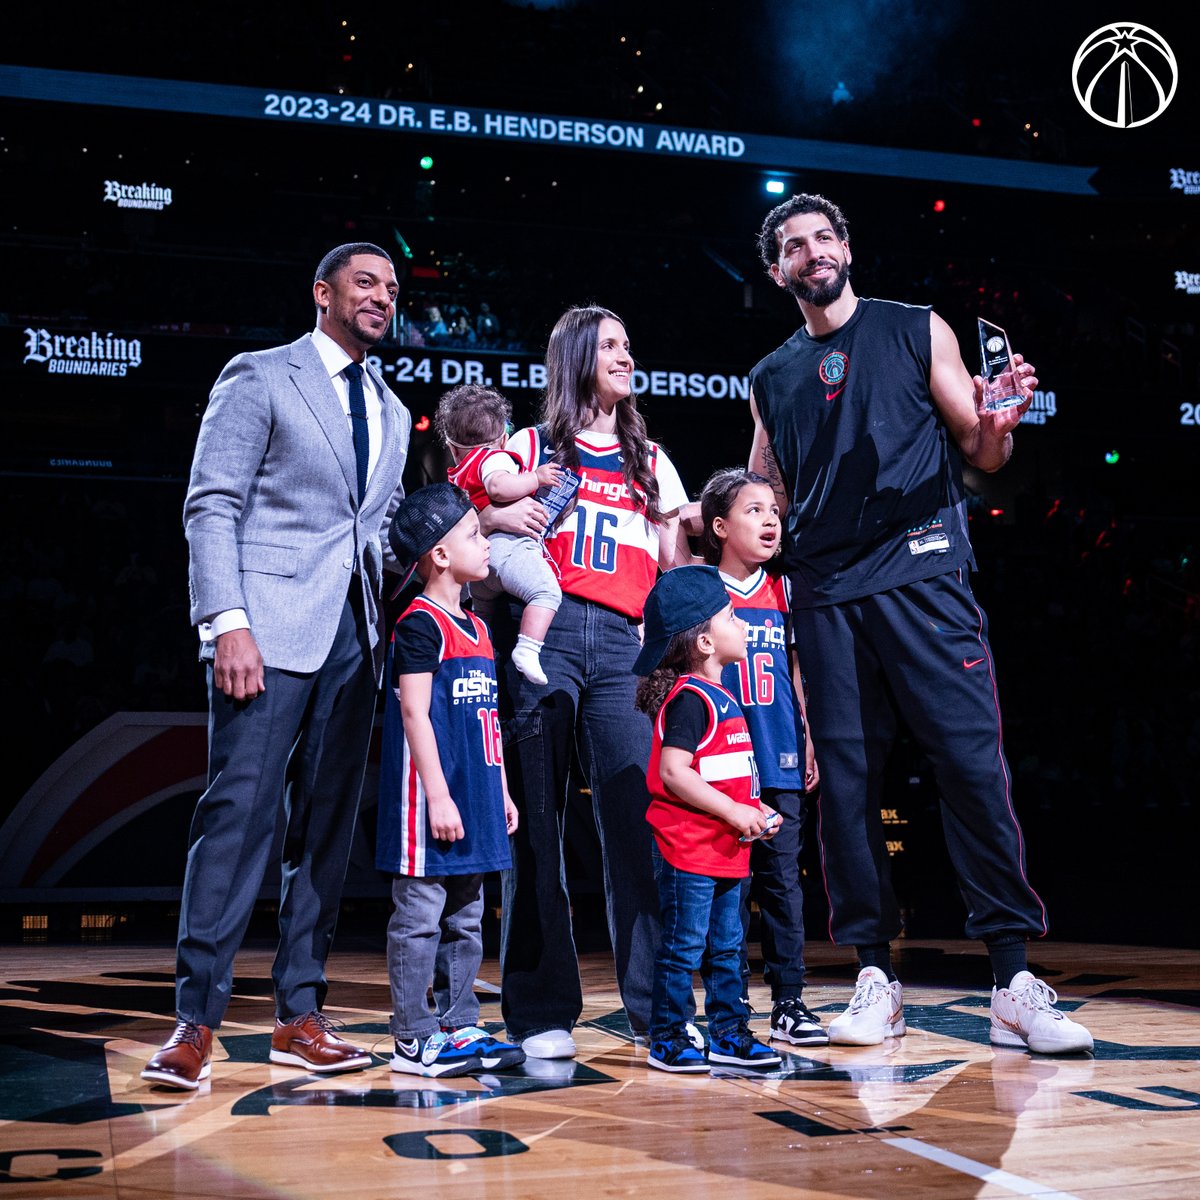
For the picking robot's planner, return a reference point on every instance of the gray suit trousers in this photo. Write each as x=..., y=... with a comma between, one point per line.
x=285, y=774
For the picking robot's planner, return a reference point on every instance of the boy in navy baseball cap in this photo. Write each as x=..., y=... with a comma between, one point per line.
x=705, y=810
x=680, y=600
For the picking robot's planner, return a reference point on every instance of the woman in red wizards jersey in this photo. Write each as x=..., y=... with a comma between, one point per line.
x=608, y=552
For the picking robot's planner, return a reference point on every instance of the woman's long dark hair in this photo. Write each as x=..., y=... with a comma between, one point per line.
x=569, y=404
x=681, y=658
x=719, y=495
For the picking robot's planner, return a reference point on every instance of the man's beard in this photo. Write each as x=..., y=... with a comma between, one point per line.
x=823, y=293
x=366, y=335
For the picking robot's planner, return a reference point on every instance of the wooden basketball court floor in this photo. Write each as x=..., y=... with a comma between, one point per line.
x=938, y=1113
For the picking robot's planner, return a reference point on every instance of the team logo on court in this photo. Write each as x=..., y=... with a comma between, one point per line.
x=1124, y=75
x=832, y=372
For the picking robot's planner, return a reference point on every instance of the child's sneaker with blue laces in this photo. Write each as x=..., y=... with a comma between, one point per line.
x=738, y=1047
x=675, y=1052
x=493, y=1053
x=439, y=1056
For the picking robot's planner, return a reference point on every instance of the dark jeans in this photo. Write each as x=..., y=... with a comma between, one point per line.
x=697, y=911
x=774, y=885
x=588, y=658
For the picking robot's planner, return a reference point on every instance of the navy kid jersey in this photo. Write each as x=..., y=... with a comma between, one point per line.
x=466, y=727
x=762, y=683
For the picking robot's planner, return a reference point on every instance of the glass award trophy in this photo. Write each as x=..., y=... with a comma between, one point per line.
x=1001, y=384
x=557, y=499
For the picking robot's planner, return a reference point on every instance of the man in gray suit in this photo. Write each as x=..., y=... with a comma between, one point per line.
x=295, y=477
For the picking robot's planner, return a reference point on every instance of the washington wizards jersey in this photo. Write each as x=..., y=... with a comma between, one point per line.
x=688, y=839
x=875, y=487
x=468, y=474
x=762, y=682
x=466, y=727
x=605, y=549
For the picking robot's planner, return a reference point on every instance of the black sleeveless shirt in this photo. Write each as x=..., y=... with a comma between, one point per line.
x=874, y=479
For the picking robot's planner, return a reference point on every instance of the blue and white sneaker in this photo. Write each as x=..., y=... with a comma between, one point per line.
x=493, y=1053
x=675, y=1052
x=439, y=1056
x=738, y=1047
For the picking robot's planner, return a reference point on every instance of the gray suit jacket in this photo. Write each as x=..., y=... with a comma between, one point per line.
x=271, y=516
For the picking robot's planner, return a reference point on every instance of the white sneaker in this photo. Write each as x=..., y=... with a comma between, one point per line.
x=554, y=1043
x=1023, y=1014
x=875, y=1013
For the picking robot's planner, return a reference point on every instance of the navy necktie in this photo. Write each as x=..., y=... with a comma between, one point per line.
x=358, y=426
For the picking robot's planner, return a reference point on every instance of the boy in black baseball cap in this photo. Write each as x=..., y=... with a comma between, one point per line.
x=705, y=810
x=444, y=810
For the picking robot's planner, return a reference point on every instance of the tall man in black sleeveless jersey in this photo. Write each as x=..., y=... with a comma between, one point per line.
x=862, y=419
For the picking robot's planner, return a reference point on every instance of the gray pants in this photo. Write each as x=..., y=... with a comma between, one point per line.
x=434, y=936
x=520, y=568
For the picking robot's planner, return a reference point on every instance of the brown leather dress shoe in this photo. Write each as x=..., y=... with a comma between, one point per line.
x=309, y=1042
x=184, y=1060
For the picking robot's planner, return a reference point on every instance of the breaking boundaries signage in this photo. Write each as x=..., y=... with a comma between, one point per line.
x=82, y=353
x=1187, y=182
x=137, y=195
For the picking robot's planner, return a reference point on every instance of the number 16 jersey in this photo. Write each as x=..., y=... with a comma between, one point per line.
x=762, y=682
x=466, y=727
x=605, y=549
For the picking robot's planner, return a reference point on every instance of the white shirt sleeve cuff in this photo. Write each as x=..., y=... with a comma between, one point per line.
x=231, y=618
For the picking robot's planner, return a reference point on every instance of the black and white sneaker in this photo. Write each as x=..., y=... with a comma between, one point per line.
x=792, y=1022
x=738, y=1047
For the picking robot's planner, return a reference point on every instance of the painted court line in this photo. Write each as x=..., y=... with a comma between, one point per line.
x=968, y=1166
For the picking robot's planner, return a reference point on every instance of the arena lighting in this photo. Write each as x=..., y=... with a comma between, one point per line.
x=422, y=424
x=426, y=162
x=939, y=206
x=775, y=187
x=995, y=512
x=1112, y=457
x=404, y=247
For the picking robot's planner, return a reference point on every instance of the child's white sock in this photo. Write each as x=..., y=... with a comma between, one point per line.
x=527, y=659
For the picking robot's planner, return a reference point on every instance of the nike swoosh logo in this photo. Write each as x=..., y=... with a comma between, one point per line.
x=974, y=663
x=408, y=1047
x=834, y=395
x=724, y=708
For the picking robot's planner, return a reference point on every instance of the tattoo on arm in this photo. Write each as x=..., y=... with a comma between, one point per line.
x=771, y=472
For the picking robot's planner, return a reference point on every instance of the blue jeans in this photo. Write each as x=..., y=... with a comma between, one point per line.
x=434, y=937
x=697, y=911
x=587, y=704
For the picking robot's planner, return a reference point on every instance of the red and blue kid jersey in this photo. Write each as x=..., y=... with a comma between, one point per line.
x=763, y=682
x=688, y=839
x=468, y=474
x=466, y=726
